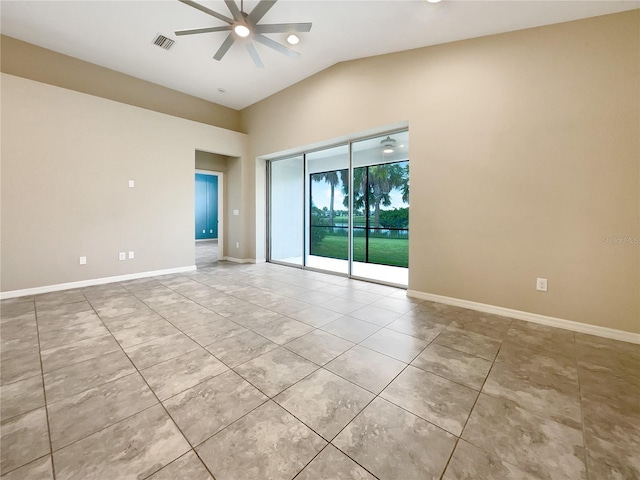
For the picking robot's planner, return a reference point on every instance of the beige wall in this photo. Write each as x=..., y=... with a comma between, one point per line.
x=30, y=61
x=524, y=155
x=67, y=158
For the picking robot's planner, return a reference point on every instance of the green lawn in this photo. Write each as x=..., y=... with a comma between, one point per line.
x=387, y=251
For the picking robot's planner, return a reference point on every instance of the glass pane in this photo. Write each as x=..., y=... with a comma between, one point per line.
x=381, y=208
x=328, y=205
x=286, y=238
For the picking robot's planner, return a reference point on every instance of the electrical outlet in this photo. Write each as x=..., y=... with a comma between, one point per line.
x=541, y=284
x=122, y=256
x=131, y=255
x=83, y=260
x=237, y=244
x=132, y=184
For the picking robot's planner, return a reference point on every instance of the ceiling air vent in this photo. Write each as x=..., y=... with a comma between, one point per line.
x=163, y=42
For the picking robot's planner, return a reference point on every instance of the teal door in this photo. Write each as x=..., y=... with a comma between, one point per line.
x=206, y=206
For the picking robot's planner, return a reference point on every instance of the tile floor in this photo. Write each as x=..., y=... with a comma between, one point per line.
x=268, y=372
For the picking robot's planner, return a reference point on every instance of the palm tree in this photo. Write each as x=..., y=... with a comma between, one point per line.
x=381, y=180
x=333, y=178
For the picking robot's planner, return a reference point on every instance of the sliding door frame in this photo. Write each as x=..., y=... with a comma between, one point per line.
x=305, y=224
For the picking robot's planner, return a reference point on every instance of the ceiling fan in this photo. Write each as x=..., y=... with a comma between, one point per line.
x=245, y=27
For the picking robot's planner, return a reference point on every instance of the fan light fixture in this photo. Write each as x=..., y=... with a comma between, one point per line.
x=242, y=30
x=388, y=145
x=247, y=27
x=293, y=39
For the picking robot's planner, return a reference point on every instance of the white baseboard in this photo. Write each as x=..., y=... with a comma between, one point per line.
x=94, y=281
x=238, y=260
x=531, y=317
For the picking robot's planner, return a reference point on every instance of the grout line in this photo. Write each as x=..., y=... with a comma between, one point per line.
x=44, y=391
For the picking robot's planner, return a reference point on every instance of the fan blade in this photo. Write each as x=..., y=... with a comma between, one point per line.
x=251, y=48
x=193, y=31
x=260, y=10
x=235, y=11
x=208, y=11
x=267, y=42
x=283, y=27
x=226, y=45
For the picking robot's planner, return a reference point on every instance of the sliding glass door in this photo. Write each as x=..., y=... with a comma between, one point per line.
x=286, y=203
x=328, y=209
x=380, y=214
x=344, y=209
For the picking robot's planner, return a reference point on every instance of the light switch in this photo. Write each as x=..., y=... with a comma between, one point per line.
x=236, y=212
x=83, y=260
x=132, y=184
x=122, y=256
x=131, y=255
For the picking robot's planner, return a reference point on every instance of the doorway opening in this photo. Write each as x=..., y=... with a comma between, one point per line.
x=208, y=233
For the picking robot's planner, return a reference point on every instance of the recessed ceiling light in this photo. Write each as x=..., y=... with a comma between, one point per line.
x=241, y=30
x=293, y=39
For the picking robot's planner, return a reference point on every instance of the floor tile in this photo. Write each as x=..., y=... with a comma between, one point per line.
x=195, y=318
x=610, y=422
x=284, y=330
x=550, y=395
x=87, y=412
x=395, y=344
x=366, y=368
x=210, y=406
x=469, y=342
x=116, y=306
x=76, y=378
x=419, y=325
x=23, y=439
x=351, y=329
x=275, y=370
x=376, y=315
x=332, y=464
x=77, y=352
x=613, y=461
x=255, y=316
x=143, y=333
x=400, y=304
x=267, y=443
x=241, y=348
x=159, y=350
x=39, y=469
x=316, y=316
x=539, y=446
x=18, y=347
x=187, y=466
x=318, y=346
x=456, y=366
x=179, y=373
x=214, y=331
x=471, y=463
x=436, y=399
x=129, y=450
x=20, y=397
x=175, y=309
x=394, y=444
x=64, y=336
x=548, y=338
x=20, y=368
x=324, y=401
x=343, y=305
x=494, y=326
x=135, y=319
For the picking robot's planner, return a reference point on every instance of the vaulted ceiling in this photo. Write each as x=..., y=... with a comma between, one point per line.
x=119, y=35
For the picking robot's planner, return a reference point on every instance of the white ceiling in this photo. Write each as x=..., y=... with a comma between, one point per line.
x=118, y=35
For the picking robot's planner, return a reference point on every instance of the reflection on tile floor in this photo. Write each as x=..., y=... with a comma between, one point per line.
x=270, y=372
